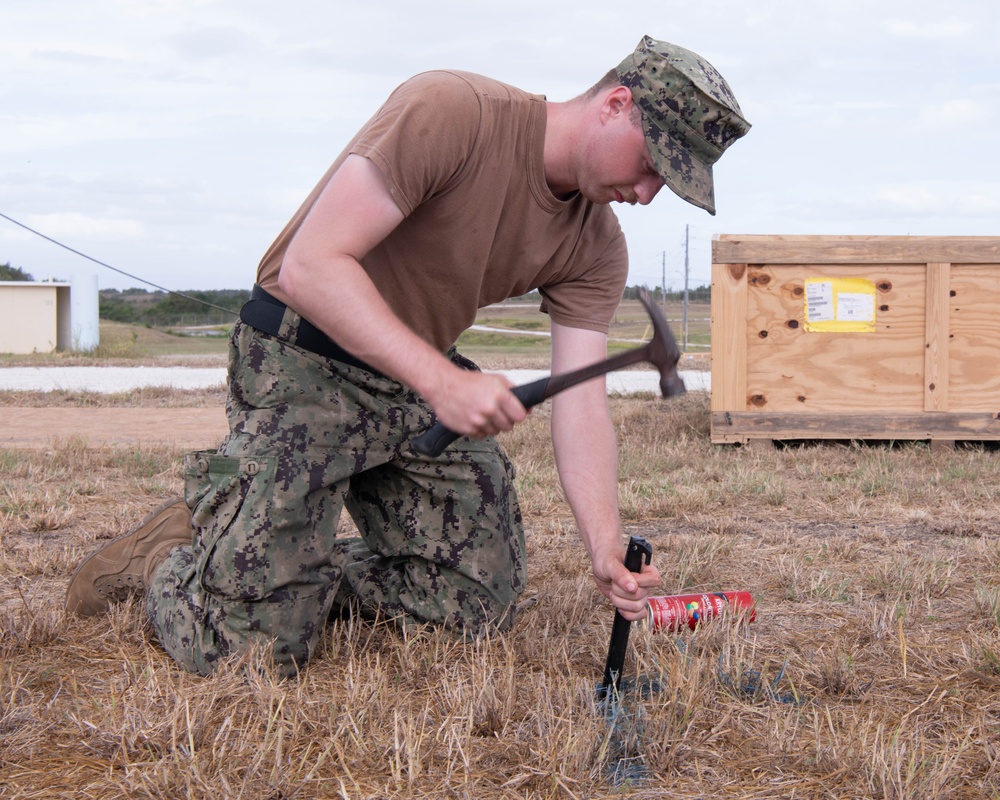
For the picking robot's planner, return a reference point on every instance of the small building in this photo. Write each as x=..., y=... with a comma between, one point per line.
x=39, y=317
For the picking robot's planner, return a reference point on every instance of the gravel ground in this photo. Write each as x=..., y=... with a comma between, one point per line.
x=122, y=379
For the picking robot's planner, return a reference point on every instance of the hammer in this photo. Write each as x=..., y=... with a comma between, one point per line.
x=661, y=351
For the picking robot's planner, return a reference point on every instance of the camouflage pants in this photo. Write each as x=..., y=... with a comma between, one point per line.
x=441, y=538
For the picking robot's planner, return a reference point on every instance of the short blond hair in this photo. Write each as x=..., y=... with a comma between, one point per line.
x=611, y=81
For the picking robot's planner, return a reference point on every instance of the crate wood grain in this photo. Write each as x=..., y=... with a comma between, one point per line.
x=924, y=364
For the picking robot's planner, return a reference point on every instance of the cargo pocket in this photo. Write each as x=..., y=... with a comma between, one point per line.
x=196, y=483
x=229, y=496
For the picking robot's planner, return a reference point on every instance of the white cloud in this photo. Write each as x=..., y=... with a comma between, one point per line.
x=957, y=114
x=214, y=42
x=909, y=199
x=929, y=29
x=966, y=199
x=73, y=225
x=984, y=203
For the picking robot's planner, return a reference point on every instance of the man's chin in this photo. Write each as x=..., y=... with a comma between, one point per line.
x=601, y=200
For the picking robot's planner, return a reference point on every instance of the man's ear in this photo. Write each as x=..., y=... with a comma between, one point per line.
x=616, y=102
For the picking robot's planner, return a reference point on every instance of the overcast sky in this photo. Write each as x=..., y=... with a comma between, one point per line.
x=172, y=139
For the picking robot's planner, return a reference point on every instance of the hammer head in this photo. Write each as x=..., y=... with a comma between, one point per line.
x=663, y=353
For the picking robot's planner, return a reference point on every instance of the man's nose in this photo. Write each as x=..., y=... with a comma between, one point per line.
x=647, y=189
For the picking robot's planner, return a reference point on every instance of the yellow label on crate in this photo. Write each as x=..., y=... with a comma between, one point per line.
x=845, y=305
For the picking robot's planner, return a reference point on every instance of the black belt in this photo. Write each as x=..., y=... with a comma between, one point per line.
x=264, y=312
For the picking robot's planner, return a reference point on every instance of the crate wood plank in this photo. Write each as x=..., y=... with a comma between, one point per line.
x=765, y=249
x=937, y=346
x=729, y=342
x=974, y=338
x=739, y=427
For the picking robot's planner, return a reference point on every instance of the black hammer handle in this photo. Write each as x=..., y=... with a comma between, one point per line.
x=639, y=550
x=435, y=439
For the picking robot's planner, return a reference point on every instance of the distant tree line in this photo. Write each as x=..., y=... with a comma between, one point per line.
x=157, y=308
x=700, y=294
x=9, y=273
x=164, y=309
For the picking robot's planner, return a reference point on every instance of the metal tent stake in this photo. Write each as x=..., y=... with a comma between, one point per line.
x=638, y=550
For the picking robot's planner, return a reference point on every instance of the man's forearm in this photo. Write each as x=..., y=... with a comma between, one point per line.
x=335, y=294
x=586, y=456
x=587, y=459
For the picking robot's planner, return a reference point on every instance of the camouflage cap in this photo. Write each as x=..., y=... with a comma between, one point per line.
x=689, y=113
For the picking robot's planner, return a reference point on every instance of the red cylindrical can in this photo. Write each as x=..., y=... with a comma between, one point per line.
x=673, y=612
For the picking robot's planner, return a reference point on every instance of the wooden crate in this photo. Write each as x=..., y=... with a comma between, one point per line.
x=912, y=350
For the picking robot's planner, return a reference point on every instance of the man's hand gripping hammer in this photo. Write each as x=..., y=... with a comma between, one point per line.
x=661, y=351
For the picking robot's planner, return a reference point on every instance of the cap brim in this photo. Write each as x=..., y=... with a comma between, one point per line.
x=688, y=177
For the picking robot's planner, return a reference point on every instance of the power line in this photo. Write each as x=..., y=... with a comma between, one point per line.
x=115, y=269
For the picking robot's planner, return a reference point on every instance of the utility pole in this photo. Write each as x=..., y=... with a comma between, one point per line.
x=663, y=281
x=687, y=232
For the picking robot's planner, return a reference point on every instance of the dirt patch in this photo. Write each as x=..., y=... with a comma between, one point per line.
x=187, y=428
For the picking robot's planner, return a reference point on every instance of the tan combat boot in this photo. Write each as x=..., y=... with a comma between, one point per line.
x=124, y=565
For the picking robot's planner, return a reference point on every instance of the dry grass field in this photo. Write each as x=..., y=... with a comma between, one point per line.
x=871, y=671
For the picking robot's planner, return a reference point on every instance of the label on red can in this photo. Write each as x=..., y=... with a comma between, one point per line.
x=673, y=613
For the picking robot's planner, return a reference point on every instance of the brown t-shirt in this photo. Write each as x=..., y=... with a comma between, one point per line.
x=463, y=158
